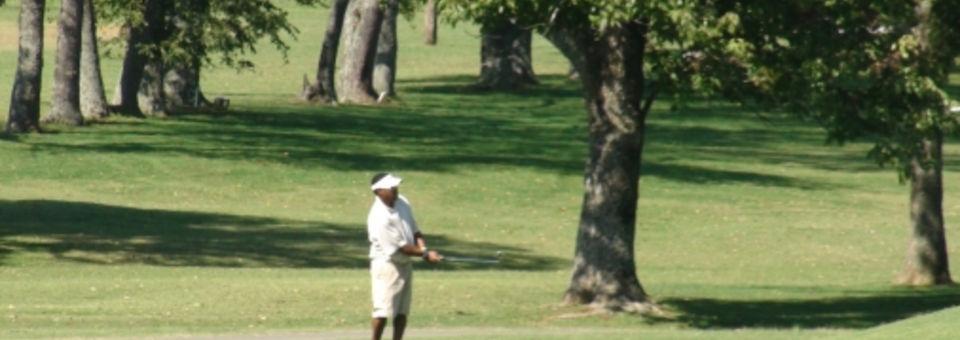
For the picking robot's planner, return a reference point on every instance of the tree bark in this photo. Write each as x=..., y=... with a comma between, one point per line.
x=125, y=99
x=66, y=77
x=610, y=64
x=506, y=62
x=93, y=101
x=181, y=83
x=385, y=63
x=323, y=89
x=927, y=262
x=140, y=89
x=362, y=25
x=151, y=96
x=181, y=87
x=24, y=115
x=430, y=23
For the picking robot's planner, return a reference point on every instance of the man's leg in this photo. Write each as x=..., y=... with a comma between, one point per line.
x=399, y=325
x=378, y=325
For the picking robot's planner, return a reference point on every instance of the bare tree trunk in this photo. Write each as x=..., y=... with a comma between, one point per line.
x=140, y=89
x=93, y=101
x=24, y=115
x=131, y=73
x=66, y=77
x=181, y=87
x=385, y=63
x=362, y=28
x=506, y=62
x=927, y=262
x=430, y=23
x=181, y=83
x=323, y=89
x=152, y=97
x=611, y=67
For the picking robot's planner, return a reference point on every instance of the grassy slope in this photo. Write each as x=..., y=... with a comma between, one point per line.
x=252, y=220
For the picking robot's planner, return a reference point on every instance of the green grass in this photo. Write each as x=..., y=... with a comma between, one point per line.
x=251, y=221
x=930, y=326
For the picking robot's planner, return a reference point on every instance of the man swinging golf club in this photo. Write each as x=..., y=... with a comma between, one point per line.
x=394, y=239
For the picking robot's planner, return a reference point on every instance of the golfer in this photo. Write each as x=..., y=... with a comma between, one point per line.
x=394, y=239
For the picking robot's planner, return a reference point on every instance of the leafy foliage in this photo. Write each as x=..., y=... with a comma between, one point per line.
x=203, y=29
x=873, y=70
x=863, y=69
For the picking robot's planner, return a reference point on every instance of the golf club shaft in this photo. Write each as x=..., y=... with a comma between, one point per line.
x=469, y=259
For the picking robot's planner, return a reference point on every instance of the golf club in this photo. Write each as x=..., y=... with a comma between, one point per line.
x=468, y=259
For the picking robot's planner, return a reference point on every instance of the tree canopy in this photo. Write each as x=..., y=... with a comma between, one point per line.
x=228, y=30
x=873, y=70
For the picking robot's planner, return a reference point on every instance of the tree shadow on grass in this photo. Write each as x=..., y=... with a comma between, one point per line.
x=114, y=235
x=854, y=312
x=446, y=131
x=550, y=86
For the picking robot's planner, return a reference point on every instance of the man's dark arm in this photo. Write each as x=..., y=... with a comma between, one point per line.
x=411, y=250
x=419, y=247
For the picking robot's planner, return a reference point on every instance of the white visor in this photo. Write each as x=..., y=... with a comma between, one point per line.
x=387, y=182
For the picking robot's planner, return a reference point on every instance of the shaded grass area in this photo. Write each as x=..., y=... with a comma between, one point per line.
x=429, y=137
x=113, y=235
x=857, y=311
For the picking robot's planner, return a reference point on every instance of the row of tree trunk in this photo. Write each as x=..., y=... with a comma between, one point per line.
x=368, y=29
x=151, y=85
x=368, y=73
x=147, y=85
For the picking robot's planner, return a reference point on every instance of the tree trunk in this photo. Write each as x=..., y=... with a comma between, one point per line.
x=181, y=83
x=140, y=90
x=506, y=62
x=24, y=115
x=610, y=64
x=93, y=101
x=323, y=90
x=430, y=23
x=927, y=262
x=181, y=86
x=131, y=73
x=385, y=63
x=152, y=98
x=66, y=76
x=362, y=24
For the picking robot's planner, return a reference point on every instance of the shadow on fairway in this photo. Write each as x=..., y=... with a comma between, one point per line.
x=442, y=130
x=105, y=234
x=843, y=312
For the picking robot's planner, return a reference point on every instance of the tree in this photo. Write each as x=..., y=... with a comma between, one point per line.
x=322, y=89
x=362, y=24
x=181, y=83
x=168, y=42
x=505, y=56
x=93, y=101
x=24, y=115
x=866, y=70
x=614, y=45
x=66, y=78
x=385, y=61
x=138, y=37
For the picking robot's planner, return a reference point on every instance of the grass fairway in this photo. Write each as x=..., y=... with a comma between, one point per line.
x=252, y=221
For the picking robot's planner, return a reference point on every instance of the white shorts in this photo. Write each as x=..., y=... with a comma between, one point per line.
x=392, y=288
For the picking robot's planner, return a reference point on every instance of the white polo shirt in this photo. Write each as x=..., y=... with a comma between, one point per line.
x=389, y=229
